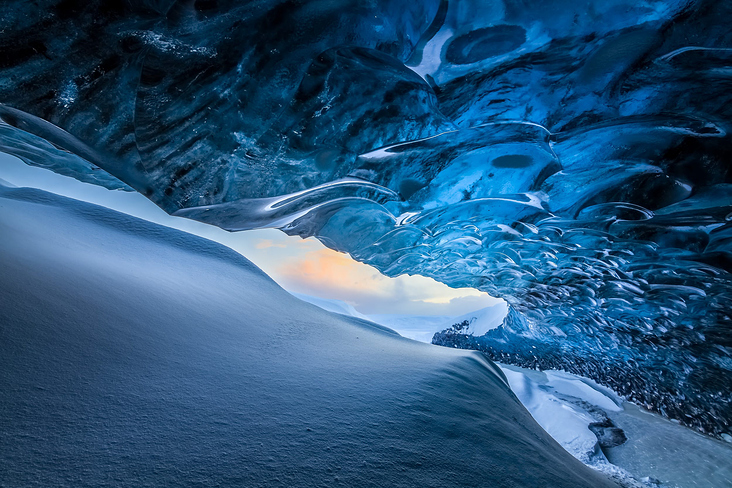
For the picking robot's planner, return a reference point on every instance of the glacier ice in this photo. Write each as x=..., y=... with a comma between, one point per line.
x=573, y=159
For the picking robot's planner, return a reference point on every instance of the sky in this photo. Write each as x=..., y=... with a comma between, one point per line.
x=298, y=265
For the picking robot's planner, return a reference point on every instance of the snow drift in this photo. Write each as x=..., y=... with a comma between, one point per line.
x=137, y=355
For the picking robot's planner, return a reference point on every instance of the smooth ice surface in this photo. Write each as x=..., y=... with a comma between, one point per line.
x=670, y=453
x=653, y=451
x=136, y=355
x=570, y=157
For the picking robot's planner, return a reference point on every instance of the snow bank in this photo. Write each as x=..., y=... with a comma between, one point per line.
x=422, y=328
x=656, y=452
x=136, y=355
x=331, y=305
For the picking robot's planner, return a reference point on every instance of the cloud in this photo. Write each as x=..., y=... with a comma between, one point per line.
x=329, y=274
x=327, y=269
x=268, y=243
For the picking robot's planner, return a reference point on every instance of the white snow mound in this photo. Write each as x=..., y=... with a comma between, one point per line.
x=136, y=355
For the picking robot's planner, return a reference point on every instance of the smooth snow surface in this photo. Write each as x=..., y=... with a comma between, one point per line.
x=136, y=355
x=335, y=306
x=572, y=157
x=657, y=452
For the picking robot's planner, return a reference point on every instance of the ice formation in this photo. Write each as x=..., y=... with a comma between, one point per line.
x=570, y=157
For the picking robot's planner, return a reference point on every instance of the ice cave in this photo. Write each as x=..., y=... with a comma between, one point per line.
x=571, y=158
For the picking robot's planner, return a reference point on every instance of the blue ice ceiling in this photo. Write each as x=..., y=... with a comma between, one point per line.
x=571, y=157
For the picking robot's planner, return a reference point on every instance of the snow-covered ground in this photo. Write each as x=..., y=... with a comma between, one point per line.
x=423, y=328
x=547, y=395
x=651, y=451
x=133, y=354
x=418, y=327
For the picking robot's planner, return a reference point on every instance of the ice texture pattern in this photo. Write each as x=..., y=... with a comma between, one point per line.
x=570, y=158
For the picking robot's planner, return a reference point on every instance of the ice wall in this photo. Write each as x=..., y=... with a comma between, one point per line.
x=572, y=158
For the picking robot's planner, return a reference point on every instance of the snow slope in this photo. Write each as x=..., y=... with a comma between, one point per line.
x=136, y=355
x=656, y=451
x=331, y=305
x=422, y=328
x=565, y=405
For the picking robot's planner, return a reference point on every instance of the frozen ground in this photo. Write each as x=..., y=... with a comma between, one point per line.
x=670, y=453
x=657, y=452
x=651, y=451
x=136, y=355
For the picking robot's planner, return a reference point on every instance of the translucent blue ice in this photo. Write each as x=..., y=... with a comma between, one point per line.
x=572, y=158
